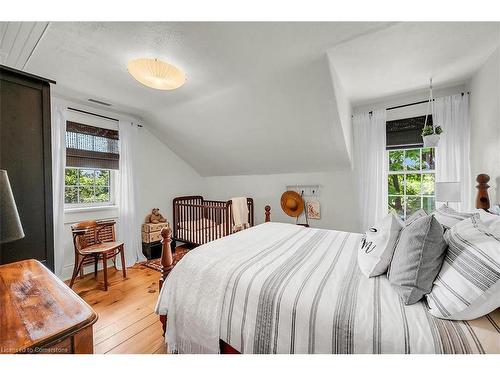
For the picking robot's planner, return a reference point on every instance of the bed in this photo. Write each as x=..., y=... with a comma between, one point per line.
x=197, y=221
x=282, y=288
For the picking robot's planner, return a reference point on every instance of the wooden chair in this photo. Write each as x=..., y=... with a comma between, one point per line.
x=94, y=240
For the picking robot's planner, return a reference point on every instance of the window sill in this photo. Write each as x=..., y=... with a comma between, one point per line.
x=77, y=214
x=90, y=209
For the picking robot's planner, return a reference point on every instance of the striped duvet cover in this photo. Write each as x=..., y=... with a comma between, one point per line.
x=281, y=288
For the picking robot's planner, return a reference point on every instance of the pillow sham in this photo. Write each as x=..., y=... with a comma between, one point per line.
x=495, y=228
x=414, y=216
x=448, y=217
x=377, y=246
x=492, y=221
x=468, y=285
x=417, y=259
x=487, y=218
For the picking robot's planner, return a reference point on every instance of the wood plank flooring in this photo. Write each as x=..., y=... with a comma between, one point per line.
x=127, y=322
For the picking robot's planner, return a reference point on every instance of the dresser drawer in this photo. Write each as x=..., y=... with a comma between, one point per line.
x=148, y=228
x=151, y=237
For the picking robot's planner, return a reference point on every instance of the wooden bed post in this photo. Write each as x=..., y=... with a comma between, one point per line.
x=268, y=213
x=166, y=264
x=166, y=254
x=482, y=199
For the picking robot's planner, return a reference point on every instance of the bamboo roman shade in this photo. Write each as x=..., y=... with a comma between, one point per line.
x=406, y=133
x=91, y=147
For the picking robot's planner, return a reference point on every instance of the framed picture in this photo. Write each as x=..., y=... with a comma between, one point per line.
x=313, y=210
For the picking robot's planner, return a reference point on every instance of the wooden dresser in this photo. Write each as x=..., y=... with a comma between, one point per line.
x=41, y=314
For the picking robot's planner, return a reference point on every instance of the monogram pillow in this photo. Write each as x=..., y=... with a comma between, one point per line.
x=377, y=246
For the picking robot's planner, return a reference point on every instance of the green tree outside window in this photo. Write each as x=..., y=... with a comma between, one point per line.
x=86, y=186
x=411, y=181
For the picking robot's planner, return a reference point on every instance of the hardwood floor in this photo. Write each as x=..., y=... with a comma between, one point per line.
x=127, y=322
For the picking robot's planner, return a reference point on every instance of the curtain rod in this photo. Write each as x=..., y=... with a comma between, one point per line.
x=95, y=114
x=414, y=103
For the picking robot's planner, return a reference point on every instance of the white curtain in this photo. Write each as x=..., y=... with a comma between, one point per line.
x=58, y=130
x=129, y=227
x=370, y=164
x=453, y=151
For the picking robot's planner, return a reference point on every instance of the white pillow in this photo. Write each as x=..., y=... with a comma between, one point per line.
x=448, y=217
x=495, y=228
x=492, y=221
x=486, y=217
x=468, y=285
x=377, y=246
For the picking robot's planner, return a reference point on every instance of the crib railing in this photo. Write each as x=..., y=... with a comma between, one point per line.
x=197, y=221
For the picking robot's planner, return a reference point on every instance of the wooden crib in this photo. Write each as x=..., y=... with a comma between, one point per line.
x=197, y=221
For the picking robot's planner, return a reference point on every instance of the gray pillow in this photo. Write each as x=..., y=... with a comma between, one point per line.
x=417, y=259
x=416, y=215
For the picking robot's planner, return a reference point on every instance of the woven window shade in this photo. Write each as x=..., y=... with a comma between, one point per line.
x=406, y=133
x=91, y=147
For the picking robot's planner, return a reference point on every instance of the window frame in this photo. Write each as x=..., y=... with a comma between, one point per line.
x=112, y=190
x=405, y=172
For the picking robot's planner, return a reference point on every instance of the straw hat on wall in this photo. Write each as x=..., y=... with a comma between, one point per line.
x=292, y=203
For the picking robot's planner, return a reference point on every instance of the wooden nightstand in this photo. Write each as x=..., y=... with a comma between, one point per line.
x=41, y=314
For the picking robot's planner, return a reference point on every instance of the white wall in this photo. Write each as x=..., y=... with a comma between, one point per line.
x=162, y=176
x=485, y=124
x=337, y=195
x=344, y=110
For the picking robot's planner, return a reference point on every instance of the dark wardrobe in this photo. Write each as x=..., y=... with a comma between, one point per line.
x=25, y=152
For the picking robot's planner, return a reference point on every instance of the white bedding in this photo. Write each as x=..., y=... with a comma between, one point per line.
x=282, y=288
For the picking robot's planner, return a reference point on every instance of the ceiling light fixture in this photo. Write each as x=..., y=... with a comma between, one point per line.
x=156, y=74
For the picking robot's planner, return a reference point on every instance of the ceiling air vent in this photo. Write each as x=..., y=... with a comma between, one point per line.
x=99, y=102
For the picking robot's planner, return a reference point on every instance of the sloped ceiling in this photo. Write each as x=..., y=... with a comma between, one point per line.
x=403, y=57
x=260, y=97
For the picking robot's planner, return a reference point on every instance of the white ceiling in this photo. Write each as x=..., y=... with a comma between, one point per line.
x=403, y=57
x=259, y=96
x=18, y=40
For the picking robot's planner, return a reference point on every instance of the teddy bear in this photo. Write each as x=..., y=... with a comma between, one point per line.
x=155, y=217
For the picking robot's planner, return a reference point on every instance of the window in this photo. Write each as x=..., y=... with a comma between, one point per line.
x=84, y=186
x=92, y=158
x=411, y=180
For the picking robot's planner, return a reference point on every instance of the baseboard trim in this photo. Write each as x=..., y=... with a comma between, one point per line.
x=67, y=270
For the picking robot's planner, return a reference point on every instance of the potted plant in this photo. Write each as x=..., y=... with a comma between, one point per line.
x=430, y=135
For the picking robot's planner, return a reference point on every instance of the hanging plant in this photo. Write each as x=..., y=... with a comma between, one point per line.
x=430, y=133
x=428, y=130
